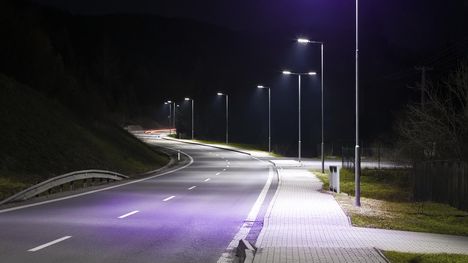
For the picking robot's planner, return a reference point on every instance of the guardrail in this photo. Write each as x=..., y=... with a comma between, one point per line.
x=61, y=180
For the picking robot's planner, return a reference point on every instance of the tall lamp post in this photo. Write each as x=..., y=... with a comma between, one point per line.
x=175, y=110
x=322, y=145
x=357, y=152
x=171, y=119
x=287, y=72
x=269, y=115
x=193, y=102
x=227, y=115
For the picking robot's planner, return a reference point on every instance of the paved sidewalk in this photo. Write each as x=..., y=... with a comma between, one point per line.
x=303, y=224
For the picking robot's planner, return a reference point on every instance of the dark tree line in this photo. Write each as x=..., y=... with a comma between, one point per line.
x=438, y=129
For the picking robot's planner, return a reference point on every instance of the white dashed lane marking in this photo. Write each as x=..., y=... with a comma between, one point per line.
x=128, y=214
x=49, y=244
x=169, y=198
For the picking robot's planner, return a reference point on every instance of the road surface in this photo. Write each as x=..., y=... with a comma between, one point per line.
x=190, y=215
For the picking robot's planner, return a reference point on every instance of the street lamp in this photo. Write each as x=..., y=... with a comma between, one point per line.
x=227, y=115
x=287, y=72
x=175, y=111
x=171, y=119
x=357, y=152
x=307, y=41
x=193, y=102
x=269, y=115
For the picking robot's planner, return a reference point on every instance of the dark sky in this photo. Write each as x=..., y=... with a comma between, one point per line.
x=405, y=22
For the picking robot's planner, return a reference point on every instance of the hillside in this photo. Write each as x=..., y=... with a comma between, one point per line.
x=39, y=139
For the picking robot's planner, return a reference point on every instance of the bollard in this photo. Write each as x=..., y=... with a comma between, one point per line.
x=334, y=179
x=178, y=155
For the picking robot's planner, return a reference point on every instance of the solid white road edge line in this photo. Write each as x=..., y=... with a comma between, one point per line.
x=49, y=244
x=207, y=179
x=169, y=198
x=128, y=214
x=190, y=188
x=245, y=228
x=99, y=190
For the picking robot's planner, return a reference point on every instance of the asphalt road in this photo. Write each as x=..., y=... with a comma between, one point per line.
x=190, y=215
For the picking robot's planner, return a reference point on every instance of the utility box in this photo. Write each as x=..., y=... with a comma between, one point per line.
x=334, y=179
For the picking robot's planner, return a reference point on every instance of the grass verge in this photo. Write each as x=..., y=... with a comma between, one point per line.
x=398, y=257
x=386, y=203
x=41, y=139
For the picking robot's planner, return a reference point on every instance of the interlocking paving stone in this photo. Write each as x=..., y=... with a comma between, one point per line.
x=304, y=224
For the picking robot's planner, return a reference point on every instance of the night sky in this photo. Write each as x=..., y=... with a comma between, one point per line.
x=395, y=36
x=403, y=23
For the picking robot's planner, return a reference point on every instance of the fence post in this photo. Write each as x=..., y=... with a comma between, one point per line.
x=342, y=157
x=458, y=186
x=441, y=181
x=378, y=155
x=464, y=192
x=415, y=182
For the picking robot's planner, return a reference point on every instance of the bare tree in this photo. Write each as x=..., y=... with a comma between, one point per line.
x=439, y=128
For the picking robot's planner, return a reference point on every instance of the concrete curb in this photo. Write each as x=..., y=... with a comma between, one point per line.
x=334, y=197
x=245, y=251
x=382, y=255
x=208, y=145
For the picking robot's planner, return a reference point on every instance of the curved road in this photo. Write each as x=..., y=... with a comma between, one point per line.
x=190, y=215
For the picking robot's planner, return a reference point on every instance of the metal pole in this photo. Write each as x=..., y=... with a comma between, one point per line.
x=269, y=120
x=357, y=154
x=174, y=119
x=322, y=146
x=192, y=119
x=227, y=119
x=170, y=118
x=299, y=116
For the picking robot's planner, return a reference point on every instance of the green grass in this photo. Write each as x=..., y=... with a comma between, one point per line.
x=40, y=139
x=418, y=217
x=387, y=204
x=398, y=257
x=384, y=184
